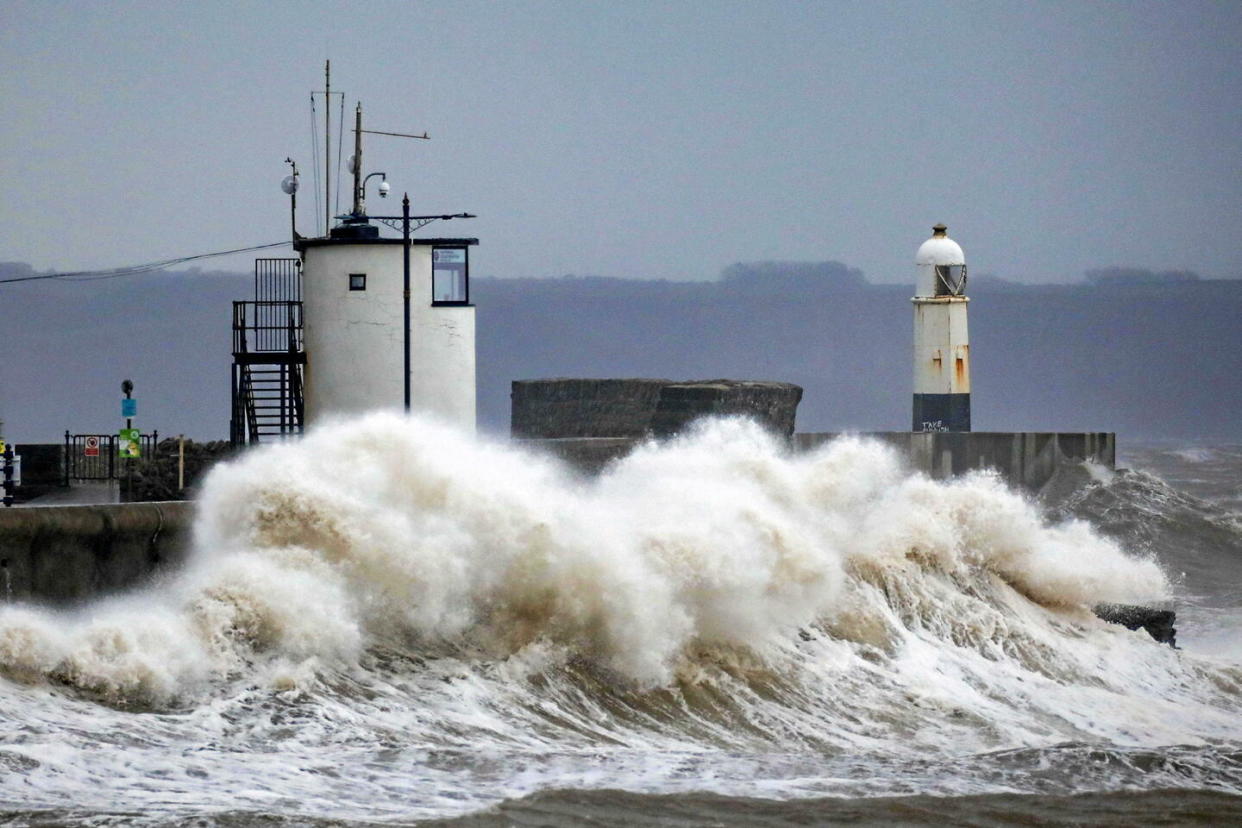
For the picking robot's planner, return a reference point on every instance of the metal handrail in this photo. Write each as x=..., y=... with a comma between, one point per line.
x=267, y=326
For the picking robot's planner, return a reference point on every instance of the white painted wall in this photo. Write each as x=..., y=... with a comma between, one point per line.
x=355, y=345
x=442, y=379
x=941, y=338
x=941, y=346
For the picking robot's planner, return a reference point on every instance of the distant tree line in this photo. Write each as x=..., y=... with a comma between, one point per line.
x=1138, y=276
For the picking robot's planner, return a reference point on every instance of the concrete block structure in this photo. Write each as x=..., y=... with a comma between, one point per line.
x=590, y=422
x=574, y=408
x=564, y=408
x=773, y=404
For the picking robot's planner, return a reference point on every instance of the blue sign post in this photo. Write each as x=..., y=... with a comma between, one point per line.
x=128, y=444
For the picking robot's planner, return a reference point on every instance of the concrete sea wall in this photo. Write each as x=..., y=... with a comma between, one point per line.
x=1025, y=459
x=65, y=554
x=589, y=422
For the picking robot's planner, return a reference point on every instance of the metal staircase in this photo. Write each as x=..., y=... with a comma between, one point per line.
x=268, y=359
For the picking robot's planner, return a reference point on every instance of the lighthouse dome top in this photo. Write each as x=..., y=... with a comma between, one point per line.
x=940, y=249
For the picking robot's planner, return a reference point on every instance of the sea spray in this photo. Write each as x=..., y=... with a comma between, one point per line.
x=805, y=595
x=390, y=620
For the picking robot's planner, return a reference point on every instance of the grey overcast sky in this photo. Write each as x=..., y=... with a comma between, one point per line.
x=644, y=140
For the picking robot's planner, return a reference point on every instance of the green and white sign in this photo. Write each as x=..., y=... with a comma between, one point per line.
x=128, y=444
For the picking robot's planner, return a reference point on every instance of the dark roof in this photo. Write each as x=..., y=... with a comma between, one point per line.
x=302, y=244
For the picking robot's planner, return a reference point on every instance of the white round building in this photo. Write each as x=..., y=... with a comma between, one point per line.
x=362, y=353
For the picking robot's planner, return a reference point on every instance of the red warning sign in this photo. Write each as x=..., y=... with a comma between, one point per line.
x=92, y=446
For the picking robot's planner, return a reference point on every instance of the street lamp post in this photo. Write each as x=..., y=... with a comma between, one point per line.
x=405, y=268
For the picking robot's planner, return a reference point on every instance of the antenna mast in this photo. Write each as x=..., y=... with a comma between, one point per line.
x=358, y=160
x=327, y=152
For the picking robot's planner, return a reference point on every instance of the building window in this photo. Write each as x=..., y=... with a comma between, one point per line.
x=950, y=280
x=357, y=281
x=450, y=276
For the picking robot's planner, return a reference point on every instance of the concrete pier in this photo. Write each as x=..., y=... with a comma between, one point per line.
x=66, y=554
x=1026, y=460
x=590, y=422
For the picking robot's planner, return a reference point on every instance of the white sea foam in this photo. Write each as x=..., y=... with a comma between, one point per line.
x=394, y=528
x=467, y=621
x=1195, y=454
x=396, y=582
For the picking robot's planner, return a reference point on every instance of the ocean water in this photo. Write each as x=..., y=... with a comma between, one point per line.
x=391, y=623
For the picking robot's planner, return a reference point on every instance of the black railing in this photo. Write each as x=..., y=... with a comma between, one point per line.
x=267, y=327
x=238, y=415
x=94, y=456
x=278, y=280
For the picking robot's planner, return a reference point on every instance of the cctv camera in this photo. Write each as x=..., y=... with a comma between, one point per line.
x=383, y=189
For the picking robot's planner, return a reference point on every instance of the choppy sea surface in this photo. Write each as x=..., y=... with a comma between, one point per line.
x=391, y=623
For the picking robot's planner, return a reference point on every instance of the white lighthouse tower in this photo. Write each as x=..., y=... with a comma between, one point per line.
x=388, y=322
x=941, y=340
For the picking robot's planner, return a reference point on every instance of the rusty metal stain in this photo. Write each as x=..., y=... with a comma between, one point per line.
x=960, y=368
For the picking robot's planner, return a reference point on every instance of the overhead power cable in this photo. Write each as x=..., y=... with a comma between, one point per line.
x=91, y=275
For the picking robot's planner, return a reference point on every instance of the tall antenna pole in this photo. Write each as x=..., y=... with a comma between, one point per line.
x=327, y=147
x=358, y=160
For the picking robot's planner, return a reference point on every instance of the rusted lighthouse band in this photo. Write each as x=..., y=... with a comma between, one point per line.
x=941, y=339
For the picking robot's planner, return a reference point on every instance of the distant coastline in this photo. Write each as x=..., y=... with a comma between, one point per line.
x=1151, y=361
